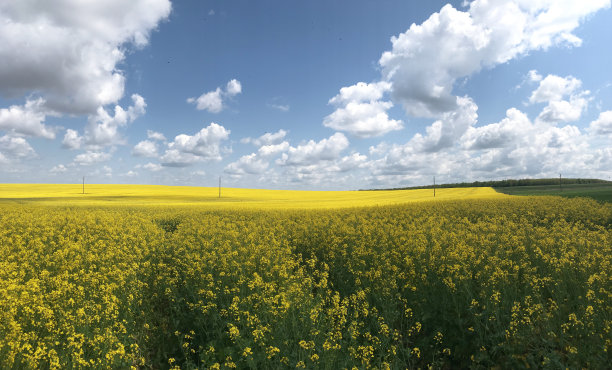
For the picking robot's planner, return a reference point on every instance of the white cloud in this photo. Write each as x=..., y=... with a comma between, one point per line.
x=513, y=147
x=91, y=157
x=564, y=110
x=60, y=168
x=308, y=163
x=273, y=149
x=534, y=76
x=602, y=125
x=361, y=92
x=427, y=59
x=554, y=88
x=247, y=164
x=176, y=158
x=360, y=111
x=266, y=139
x=15, y=147
x=565, y=102
x=103, y=129
x=498, y=135
x=26, y=120
x=145, y=148
x=313, y=152
x=444, y=132
x=72, y=140
x=340, y=171
x=280, y=107
x=72, y=50
x=154, y=167
x=212, y=101
x=157, y=136
x=233, y=87
x=205, y=145
x=350, y=163
x=379, y=149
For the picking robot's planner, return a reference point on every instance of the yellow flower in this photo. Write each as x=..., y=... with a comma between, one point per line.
x=272, y=351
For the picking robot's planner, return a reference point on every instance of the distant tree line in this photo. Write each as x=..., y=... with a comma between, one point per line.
x=506, y=183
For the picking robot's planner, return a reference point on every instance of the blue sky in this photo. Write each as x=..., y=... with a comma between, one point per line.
x=304, y=95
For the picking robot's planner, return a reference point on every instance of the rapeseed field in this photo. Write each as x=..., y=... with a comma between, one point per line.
x=138, y=195
x=500, y=281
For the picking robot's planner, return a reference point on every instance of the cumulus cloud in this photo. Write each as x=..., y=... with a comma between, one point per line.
x=103, y=128
x=350, y=163
x=60, y=168
x=564, y=110
x=513, y=147
x=602, y=125
x=360, y=111
x=534, y=76
x=266, y=139
x=565, y=100
x=313, y=152
x=498, y=135
x=273, y=149
x=72, y=140
x=145, y=148
x=157, y=136
x=91, y=157
x=342, y=171
x=554, y=88
x=427, y=59
x=15, y=147
x=212, y=101
x=444, y=133
x=205, y=145
x=247, y=164
x=233, y=87
x=72, y=50
x=27, y=119
x=153, y=167
x=176, y=158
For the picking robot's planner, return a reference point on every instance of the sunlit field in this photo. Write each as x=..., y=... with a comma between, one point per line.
x=130, y=195
x=162, y=277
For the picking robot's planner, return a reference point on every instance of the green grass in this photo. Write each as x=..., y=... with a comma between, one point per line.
x=599, y=192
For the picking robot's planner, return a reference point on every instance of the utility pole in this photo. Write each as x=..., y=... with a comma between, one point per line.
x=560, y=189
x=219, y=187
x=83, y=184
x=434, y=186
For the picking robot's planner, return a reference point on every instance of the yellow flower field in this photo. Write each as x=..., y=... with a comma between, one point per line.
x=496, y=282
x=230, y=197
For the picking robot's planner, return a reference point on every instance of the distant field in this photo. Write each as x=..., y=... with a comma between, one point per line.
x=134, y=195
x=599, y=192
